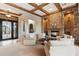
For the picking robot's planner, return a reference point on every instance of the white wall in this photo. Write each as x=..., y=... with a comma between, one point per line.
x=25, y=17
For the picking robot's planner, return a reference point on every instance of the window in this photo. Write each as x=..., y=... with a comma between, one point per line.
x=8, y=30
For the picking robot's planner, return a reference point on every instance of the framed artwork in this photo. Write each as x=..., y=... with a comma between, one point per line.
x=31, y=28
x=68, y=26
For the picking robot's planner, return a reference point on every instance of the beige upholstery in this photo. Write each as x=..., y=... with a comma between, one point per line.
x=29, y=42
x=41, y=35
x=47, y=48
x=29, y=39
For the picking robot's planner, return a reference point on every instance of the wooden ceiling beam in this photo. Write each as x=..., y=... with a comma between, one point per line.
x=73, y=7
x=39, y=8
x=52, y=13
x=70, y=7
x=58, y=6
x=4, y=11
x=42, y=5
x=23, y=9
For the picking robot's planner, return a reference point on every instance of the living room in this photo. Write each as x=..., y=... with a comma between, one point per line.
x=39, y=29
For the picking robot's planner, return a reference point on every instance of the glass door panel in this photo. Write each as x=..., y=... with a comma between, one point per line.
x=14, y=29
x=6, y=29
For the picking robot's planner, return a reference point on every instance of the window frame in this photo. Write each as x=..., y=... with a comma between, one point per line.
x=12, y=21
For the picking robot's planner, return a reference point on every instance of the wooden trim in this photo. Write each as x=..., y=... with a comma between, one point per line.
x=42, y=5
x=23, y=9
x=58, y=6
x=42, y=24
x=39, y=7
x=52, y=13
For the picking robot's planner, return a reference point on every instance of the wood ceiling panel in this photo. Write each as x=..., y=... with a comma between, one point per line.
x=25, y=6
x=39, y=12
x=65, y=5
x=39, y=7
x=42, y=5
x=50, y=8
x=3, y=11
x=18, y=7
x=71, y=8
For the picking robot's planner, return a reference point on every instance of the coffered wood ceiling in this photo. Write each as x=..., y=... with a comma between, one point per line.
x=39, y=9
x=4, y=12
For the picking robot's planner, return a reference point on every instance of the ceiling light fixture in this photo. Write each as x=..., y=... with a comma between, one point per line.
x=8, y=13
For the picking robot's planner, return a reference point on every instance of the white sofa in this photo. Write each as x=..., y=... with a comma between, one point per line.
x=62, y=47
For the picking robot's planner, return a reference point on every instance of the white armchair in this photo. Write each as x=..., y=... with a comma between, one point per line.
x=30, y=39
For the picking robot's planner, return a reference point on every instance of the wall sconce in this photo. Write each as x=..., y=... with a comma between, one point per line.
x=54, y=26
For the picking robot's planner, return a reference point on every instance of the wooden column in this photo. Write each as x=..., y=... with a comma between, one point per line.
x=42, y=25
x=76, y=27
x=62, y=21
x=46, y=24
x=49, y=25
